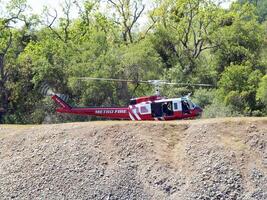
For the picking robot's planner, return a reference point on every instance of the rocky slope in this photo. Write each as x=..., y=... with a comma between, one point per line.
x=201, y=159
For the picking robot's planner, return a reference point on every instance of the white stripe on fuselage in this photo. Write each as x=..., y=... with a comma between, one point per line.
x=132, y=118
x=136, y=114
x=131, y=113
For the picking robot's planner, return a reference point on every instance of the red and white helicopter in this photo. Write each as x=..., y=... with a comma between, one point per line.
x=153, y=107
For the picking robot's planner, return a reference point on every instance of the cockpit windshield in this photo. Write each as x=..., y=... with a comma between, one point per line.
x=191, y=104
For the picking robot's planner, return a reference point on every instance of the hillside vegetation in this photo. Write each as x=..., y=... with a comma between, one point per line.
x=188, y=41
x=204, y=159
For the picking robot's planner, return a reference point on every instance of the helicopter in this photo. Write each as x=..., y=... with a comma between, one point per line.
x=155, y=107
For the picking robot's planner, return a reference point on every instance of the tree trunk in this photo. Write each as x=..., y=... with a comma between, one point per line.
x=4, y=93
x=3, y=105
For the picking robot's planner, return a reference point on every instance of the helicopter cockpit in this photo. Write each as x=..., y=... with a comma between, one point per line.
x=187, y=105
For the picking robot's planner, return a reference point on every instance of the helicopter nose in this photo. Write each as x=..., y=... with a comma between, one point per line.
x=199, y=110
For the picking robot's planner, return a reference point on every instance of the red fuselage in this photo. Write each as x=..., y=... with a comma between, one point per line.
x=143, y=108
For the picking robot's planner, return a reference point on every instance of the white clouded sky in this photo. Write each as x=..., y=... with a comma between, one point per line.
x=37, y=5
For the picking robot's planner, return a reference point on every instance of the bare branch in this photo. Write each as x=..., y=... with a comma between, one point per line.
x=5, y=76
x=129, y=14
x=187, y=31
x=8, y=45
x=3, y=73
x=76, y=3
x=198, y=48
x=66, y=11
x=50, y=24
x=137, y=15
x=112, y=2
x=16, y=16
x=149, y=28
x=209, y=47
x=53, y=16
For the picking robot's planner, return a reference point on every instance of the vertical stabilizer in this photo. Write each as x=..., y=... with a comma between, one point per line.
x=61, y=102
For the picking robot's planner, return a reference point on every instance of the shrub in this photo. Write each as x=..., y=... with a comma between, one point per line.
x=218, y=109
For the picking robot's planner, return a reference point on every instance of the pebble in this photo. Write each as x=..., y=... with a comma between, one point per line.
x=117, y=162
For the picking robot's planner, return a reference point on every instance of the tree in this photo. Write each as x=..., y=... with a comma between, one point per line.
x=140, y=62
x=190, y=27
x=10, y=47
x=261, y=8
x=191, y=41
x=238, y=86
x=127, y=14
x=242, y=40
x=262, y=90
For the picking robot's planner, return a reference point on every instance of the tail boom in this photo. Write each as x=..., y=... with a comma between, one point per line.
x=115, y=113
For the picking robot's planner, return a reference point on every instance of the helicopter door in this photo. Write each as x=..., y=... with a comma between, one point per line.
x=156, y=110
x=162, y=109
x=167, y=108
x=185, y=107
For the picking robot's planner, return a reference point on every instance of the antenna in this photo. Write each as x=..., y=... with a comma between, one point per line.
x=156, y=84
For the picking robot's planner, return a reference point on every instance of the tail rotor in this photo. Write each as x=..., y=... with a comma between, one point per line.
x=46, y=90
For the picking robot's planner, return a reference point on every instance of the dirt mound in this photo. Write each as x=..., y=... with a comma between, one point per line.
x=202, y=159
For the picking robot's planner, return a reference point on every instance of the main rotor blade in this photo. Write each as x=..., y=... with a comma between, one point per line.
x=190, y=84
x=152, y=82
x=111, y=79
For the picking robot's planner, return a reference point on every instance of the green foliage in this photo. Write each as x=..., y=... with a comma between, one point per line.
x=174, y=91
x=262, y=91
x=188, y=41
x=261, y=8
x=141, y=61
x=213, y=107
x=218, y=109
x=241, y=38
x=189, y=28
x=204, y=97
x=237, y=87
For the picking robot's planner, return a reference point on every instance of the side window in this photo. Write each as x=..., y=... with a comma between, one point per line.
x=175, y=106
x=143, y=109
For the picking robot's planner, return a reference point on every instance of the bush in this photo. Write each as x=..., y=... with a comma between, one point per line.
x=203, y=97
x=218, y=109
x=262, y=91
x=237, y=88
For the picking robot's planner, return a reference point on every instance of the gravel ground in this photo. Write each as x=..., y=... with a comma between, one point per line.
x=202, y=159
